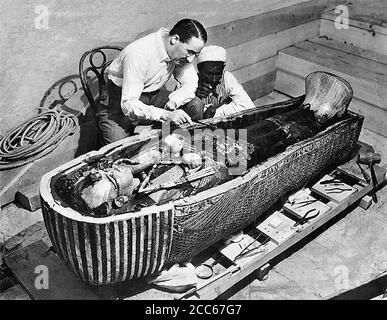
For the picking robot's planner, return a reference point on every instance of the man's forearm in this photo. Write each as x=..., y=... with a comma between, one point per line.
x=135, y=109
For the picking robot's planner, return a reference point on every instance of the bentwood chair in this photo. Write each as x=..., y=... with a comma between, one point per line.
x=92, y=67
x=96, y=61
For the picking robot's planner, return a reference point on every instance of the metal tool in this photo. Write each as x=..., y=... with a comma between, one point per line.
x=306, y=217
x=245, y=251
x=304, y=203
x=337, y=190
x=370, y=159
x=334, y=181
x=208, y=125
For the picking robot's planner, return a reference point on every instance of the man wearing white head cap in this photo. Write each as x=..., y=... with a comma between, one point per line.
x=218, y=90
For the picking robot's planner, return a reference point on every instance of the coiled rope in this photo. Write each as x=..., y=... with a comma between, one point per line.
x=36, y=137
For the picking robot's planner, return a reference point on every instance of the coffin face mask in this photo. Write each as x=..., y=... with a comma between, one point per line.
x=327, y=95
x=210, y=75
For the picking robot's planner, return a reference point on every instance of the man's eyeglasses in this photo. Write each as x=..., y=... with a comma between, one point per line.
x=190, y=52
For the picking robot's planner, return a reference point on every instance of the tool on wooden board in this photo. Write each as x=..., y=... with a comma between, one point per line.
x=333, y=181
x=304, y=203
x=370, y=159
x=245, y=251
x=337, y=190
x=206, y=270
x=306, y=217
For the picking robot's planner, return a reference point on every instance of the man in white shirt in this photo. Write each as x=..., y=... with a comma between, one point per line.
x=219, y=92
x=138, y=73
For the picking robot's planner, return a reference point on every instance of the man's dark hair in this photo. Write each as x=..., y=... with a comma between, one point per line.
x=188, y=28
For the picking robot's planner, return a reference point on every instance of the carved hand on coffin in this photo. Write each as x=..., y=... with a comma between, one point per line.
x=123, y=172
x=174, y=142
x=192, y=160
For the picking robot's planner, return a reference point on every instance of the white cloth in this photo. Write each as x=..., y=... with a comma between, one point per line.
x=240, y=99
x=177, y=278
x=212, y=53
x=144, y=66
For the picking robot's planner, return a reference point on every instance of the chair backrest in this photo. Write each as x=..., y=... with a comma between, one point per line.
x=96, y=61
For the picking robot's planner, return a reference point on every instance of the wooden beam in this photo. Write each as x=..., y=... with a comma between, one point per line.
x=260, y=86
x=255, y=70
x=62, y=284
x=357, y=63
x=364, y=38
x=347, y=48
x=257, y=79
x=267, y=46
x=364, y=17
x=28, y=197
x=272, y=97
x=236, y=32
x=14, y=293
x=28, y=236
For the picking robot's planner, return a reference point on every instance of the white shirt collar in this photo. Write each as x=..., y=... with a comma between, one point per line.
x=163, y=55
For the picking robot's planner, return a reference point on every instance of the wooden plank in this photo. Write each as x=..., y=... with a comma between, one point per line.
x=14, y=293
x=9, y=182
x=243, y=30
x=257, y=79
x=375, y=118
x=273, y=97
x=28, y=197
x=367, y=54
x=267, y=46
x=5, y=284
x=255, y=70
x=357, y=62
x=363, y=16
x=289, y=83
x=28, y=236
x=260, y=86
x=359, y=37
x=62, y=284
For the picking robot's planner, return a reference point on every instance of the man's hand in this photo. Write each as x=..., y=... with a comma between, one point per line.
x=203, y=90
x=170, y=105
x=178, y=117
x=210, y=112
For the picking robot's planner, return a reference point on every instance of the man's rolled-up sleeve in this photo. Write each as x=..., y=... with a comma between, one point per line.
x=134, y=73
x=240, y=99
x=187, y=79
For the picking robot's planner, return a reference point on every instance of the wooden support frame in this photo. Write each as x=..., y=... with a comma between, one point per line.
x=261, y=262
